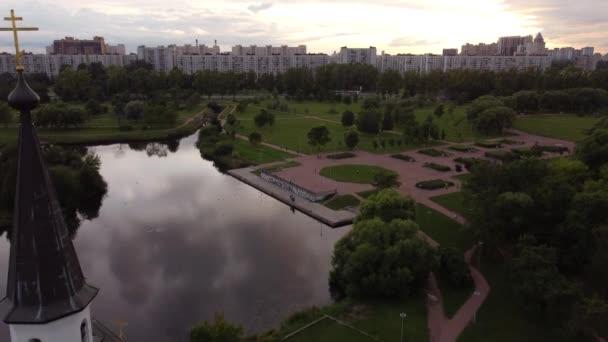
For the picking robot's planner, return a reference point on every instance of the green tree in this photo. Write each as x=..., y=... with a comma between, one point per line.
x=590, y=316
x=386, y=180
x=387, y=122
x=193, y=100
x=264, y=118
x=217, y=331
x=494, y=120
x=351, y=139
x=453, y=268
x=318, y=136
x=6, y=114
x=381, y=260
x=93, y=107
x=368, y=121
x=134, y=110
x=593, y=149
x=255, y=138
x=348, y=118
x=439, y=111
x=388, y=205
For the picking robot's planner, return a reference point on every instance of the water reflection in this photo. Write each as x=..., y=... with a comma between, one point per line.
x=176, y=241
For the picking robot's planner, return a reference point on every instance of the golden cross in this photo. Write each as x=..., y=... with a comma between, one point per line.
x=15, y=29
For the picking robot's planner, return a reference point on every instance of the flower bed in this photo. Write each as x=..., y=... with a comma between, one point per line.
x=438, y=167
x=344, y=155
x=504, y=156
x=434, y=184
x=403, y=157
x=528, y=151
x=553, y=149
x=511, y=142
x=489, y=144
x=461, y=148
x=470, y=162
x=434, y=152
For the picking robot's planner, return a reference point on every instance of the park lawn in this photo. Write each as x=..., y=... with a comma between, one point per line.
x=319, y=109
x=259, y=154
x=503, y=319
x=369, y=193
x=560, y=126
x=329, y=330
x=456, y=126
x=454, y=202
x=341, y=202
x=277, y=167
x=444, y=230
x=353, y=173
x=377, y=318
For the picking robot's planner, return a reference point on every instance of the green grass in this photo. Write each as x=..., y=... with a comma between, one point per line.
x=290, y=130
x=352, y=173
x=259, y=154
x=377, y=318
x=453, y=297
x=502, y=319
x=454, y=202
x=341, y=202
x=561, y=126
x=103, y=129
x=455, y=124
x=319, y=109
x=443, y=229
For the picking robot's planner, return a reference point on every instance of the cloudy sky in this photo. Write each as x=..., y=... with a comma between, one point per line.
x=396, y=26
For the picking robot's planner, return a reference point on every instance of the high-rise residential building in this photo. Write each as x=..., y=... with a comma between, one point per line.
x=480, y=49
x=588, y=51
x=71, y=46
x=450, y=52
x=162, y=58
x=357, y=55
x=534, y=48
x=507, y=46
x=116, y=49
x=269, y=50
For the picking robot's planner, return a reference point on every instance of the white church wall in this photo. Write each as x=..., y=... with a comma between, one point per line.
x=67, y=329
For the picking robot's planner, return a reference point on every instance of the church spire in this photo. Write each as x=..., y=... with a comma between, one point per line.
x=45, y=281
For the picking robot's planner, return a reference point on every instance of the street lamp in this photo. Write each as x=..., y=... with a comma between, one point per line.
x=403, y=316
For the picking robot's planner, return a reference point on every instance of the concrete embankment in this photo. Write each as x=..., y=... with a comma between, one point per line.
x=317, y=211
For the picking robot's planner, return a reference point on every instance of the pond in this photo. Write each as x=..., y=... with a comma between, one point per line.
x=177, y=241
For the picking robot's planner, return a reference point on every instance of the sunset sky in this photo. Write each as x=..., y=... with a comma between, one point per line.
x=406, y=26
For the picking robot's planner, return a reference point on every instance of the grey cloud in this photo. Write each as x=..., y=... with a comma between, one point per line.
x=260, y=7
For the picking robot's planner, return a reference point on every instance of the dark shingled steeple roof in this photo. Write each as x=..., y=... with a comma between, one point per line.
x=45, y=282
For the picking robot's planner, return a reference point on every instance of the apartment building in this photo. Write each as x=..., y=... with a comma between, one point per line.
x=507, y=46
x=480, y=49
x=357, y=55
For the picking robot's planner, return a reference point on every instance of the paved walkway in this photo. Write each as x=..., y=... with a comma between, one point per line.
x=448, y=330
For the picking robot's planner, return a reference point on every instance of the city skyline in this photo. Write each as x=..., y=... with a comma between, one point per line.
x=405, y=26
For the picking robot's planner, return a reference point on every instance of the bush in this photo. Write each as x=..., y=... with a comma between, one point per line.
x=264, y=118
x=553, y=149
x=344, y=155
x=215, y=107
x=223, y=149
x=403, y=157
x=528, y=151
x=351, y=139
x=438, y=167
x=504, y=156
x=255, y=138
x=489, y=144
x=368, y=121
x=348, y=118
x=469, y=163
x=434, y=184
x=385, y=180
x=453, y=268
x=461, y=148
x=511, y=142
x=434, y=153
x=93, y=107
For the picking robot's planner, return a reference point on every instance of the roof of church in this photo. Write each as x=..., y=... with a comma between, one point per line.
x=539, y=37
x=45, y=281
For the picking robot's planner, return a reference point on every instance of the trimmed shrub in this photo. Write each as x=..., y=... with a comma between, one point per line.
x=511, y=142
x=403, y=157
x=344, y=155
x=504, y=156
x=434, y=153
x=527, y=151
x=470, y=162
x=461, y=148
x=553, y=149
x=438, y=167
x=489, y=144
x=434, y=184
